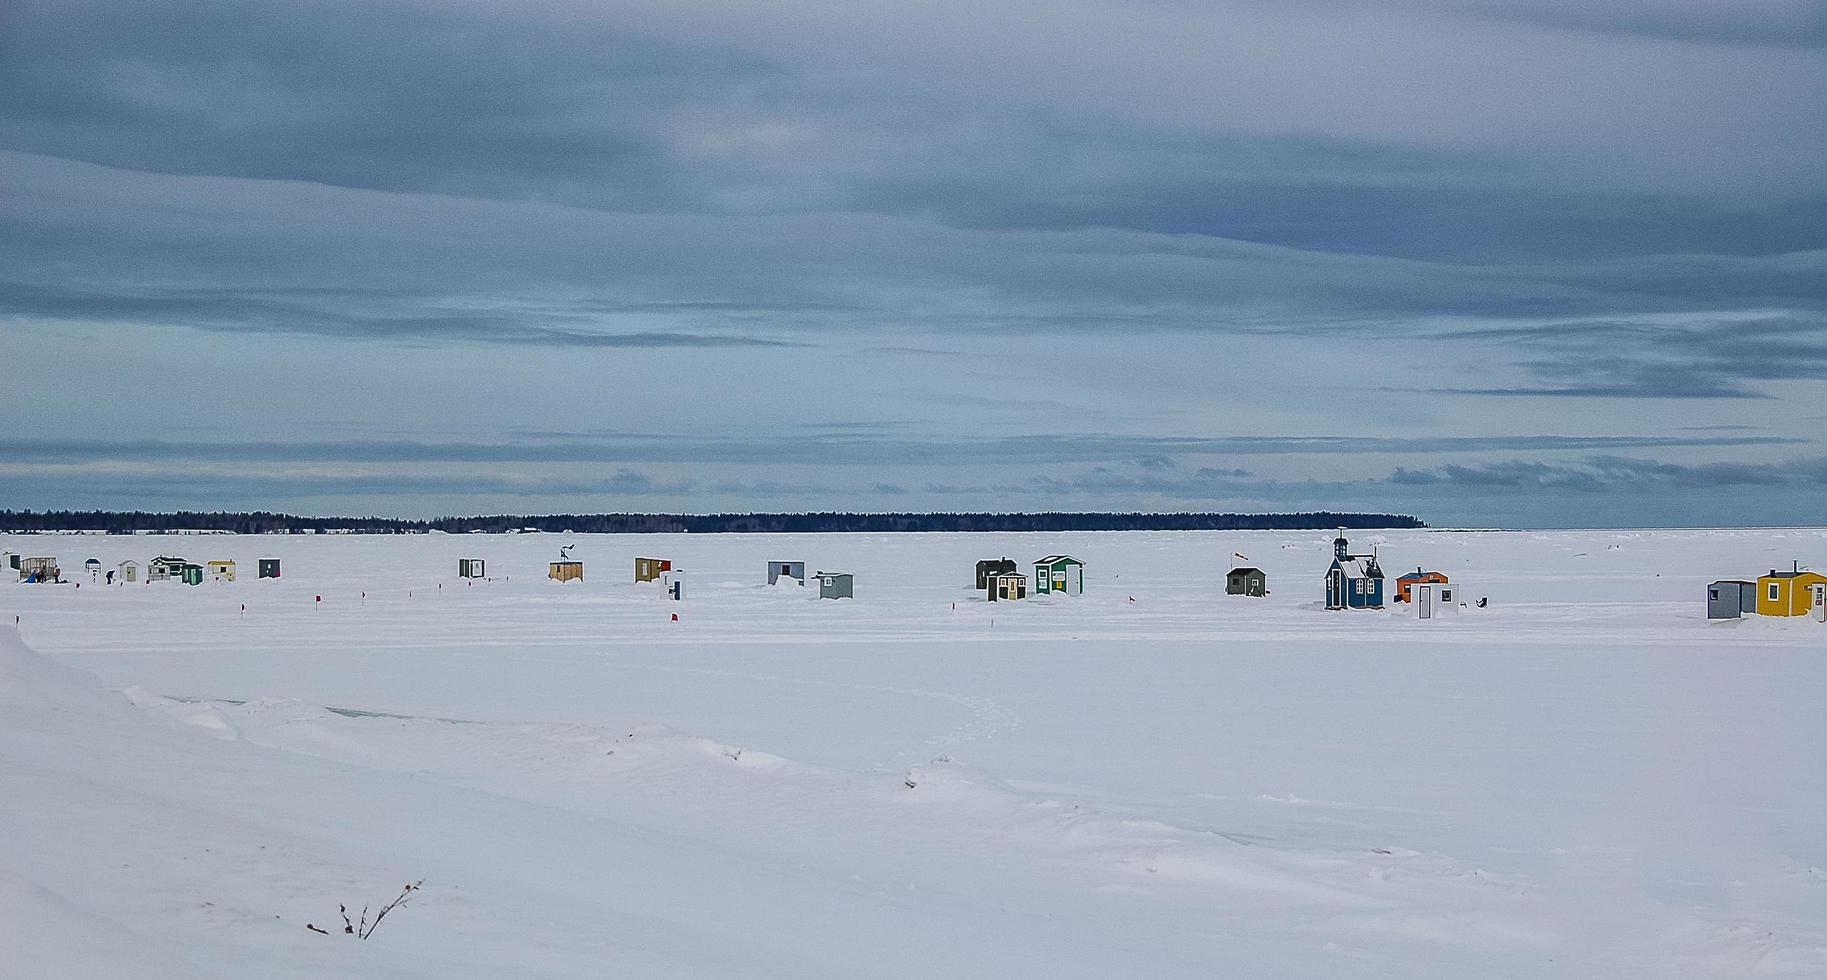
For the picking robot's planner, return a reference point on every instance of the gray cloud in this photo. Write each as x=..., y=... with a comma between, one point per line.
x=1156, y=452
x=1780, y=23
x=1615, y=474
x=1678, y=357
x=324, y=314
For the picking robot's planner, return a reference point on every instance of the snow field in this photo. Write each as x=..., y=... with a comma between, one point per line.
x=1585, y=779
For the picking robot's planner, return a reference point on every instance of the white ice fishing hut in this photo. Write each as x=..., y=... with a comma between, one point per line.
x=1432, y=600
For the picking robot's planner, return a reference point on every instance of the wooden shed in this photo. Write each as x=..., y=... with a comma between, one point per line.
x=470, y=568
x=39, y=570
x=221, y=570
x=165, y=568
x=778, y=570
x=1246, y=581
x=1791, y=593
x=994, y=566
x=1006, y=585
x=565, y=571
x=190, y=573
x=266, y=568
x=1063, y=574
x=650, y=569
x=128, y=571
x=1408, y=580
x=1730, y=599
x=836, y=585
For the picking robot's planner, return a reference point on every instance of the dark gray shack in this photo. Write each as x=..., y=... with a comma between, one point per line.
x=991, y=567
x=786, y=569
x=1730, y=599
x=1246, y=581
x=836, y=585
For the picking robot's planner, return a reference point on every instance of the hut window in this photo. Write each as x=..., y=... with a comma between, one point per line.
x=1775, y=591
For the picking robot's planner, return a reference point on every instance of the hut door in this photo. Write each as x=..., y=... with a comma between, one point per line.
x=1424, y=601
x=1820, y=603
x=1075, y=580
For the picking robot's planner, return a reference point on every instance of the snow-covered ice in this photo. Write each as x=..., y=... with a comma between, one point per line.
x=1584, y=779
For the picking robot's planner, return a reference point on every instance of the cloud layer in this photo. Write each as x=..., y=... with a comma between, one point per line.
x=1019, y=250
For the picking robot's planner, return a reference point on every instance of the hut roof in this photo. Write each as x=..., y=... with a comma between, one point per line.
x=1245, y=570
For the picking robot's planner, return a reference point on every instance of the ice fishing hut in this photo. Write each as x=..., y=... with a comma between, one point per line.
x=778, y=570
x=836, y=585
x=672, y=581
x=93, y=567
x=1433, y=599
x=221, y=570
x=1791, y=593
x=1353, y=581
x=1408, y=580
x=470, y=568
x=565, y=570
x=190, y=573
x=39, y=570
x=650, y=569
x=165, y=568
x=129, y=571
x=11, y=558
x=994, y=566
x=1730, y=599
x=1059, y=573
x=1006, y=585
x=266, y=568
x=1246, y=581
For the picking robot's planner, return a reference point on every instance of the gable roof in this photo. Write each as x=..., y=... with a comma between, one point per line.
x=1245, y=570
x=1357, y=568
x=1058, y=559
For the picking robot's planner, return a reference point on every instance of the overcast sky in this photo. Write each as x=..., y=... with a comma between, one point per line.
x=1537, y=263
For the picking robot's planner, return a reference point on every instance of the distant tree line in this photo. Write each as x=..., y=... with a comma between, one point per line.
x=265, y=522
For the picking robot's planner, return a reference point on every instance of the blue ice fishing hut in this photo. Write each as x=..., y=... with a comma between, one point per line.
x=1353, y=581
